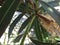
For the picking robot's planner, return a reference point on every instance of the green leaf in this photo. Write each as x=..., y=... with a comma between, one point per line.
x=40, y=31
x=5, y=7
x=44, y=31
x=14, y=23
x=8, y=15
x=36, y=3
x=37, y=30
x=25, y=24
x=37, y=42
x=29, y=26
x=53, y=12
x=17, y=39
x=24, y=7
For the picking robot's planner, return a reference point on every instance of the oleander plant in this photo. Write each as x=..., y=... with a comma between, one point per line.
x=35, y=10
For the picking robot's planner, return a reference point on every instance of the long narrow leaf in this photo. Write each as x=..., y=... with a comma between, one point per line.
x=51, y=11
x=27, y=30
x=40, y=31
x=44, y=31
x=25, y=24
x=17, y=39
x=5, y=7
x=24, y=7
x=37, y=42
x=7, y=16
x=13, y=24
x=37, y=30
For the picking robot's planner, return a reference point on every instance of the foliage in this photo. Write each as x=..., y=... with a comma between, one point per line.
x=33, y=10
